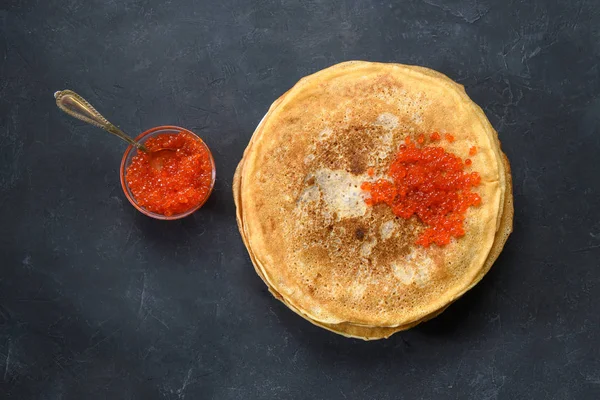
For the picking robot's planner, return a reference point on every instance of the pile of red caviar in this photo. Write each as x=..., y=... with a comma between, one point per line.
x=172, y=182
x=430, y=183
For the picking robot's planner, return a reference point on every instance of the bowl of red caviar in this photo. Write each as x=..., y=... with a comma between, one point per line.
x=172, y=180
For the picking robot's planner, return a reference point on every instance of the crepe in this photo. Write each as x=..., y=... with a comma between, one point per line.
x=340, y=264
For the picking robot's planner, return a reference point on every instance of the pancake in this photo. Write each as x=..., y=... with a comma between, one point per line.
x=341, y=265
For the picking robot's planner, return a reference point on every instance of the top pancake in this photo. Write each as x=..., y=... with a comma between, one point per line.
x=315, y=241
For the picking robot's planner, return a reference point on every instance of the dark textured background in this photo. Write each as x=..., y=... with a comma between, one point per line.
x=100, y=302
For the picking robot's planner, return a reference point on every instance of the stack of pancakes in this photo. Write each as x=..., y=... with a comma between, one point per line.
x=348, y=267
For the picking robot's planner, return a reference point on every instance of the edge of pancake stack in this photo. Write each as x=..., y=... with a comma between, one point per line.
x=322, y=252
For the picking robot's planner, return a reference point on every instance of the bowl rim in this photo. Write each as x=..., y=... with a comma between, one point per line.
x=127, y=191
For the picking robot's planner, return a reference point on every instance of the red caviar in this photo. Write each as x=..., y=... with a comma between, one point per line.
x=449, y=137
x=468, y=161
x=421, y=139
x=473, y=151
x=171, y=183
x=435, y=137
x=431, y=184
x=370, y=172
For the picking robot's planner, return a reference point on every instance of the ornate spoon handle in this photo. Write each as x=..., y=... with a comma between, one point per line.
x=76, y=106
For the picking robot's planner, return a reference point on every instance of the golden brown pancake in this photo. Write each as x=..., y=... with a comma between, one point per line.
x=342, y=265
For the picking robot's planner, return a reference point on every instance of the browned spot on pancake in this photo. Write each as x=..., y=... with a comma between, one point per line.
x=357, y=164
x=360, y=233
x=341, y=243
x=291, y=120
x=349, y=150
x=315, y=254
x=393, y=249
x=386, y=80
x=272, y=224
x=439, y=261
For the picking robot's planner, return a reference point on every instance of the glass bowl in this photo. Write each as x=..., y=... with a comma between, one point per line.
x=131, y=151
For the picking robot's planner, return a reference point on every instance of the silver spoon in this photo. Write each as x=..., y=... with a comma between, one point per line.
x=78, y=107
